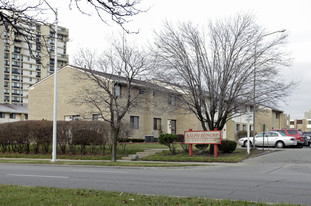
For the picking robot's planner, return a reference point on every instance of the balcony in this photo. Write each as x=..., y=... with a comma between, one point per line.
x=18, y=42
x=63, y=31
x=63, y=57
x=15, y=72
x=17, y=50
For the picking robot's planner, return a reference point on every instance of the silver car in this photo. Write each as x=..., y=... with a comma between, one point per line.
x=270, y=139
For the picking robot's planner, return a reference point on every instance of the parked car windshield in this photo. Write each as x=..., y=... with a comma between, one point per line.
x=292, y=132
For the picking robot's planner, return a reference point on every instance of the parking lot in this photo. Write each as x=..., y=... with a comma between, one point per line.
x=285, y=155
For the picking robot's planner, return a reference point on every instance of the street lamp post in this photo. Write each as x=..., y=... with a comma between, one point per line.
x=54, y=147
x=254, y=86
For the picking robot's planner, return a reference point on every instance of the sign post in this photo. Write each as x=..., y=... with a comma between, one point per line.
x=190, y=146
x=202, y=137
x=190, y=150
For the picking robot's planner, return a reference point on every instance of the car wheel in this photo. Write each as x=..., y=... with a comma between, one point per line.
x=245, y=143
x=279, y=144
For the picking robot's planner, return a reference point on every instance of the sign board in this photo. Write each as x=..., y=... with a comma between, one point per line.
x=202, y=137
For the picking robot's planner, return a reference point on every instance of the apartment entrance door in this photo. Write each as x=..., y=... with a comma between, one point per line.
x=171, y=126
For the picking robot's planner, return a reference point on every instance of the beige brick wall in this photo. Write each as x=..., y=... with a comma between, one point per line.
x=69, y=87
x=153, y=105
x=41, y=96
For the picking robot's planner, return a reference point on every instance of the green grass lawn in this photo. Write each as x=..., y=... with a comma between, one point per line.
x=144, y=146
x=25, y=196
x=181, y=156
x=131, y=148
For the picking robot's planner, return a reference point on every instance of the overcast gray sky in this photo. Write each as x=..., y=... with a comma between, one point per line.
x=292, y=15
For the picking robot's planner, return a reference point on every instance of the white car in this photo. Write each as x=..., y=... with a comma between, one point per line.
x=270, y=139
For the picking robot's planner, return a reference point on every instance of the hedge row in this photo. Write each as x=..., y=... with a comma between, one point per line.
x=72, y=137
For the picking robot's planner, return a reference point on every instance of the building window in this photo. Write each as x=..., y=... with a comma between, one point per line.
x=96, y=116
x=2, y=115
x=237, y=127
x=75, y=117
x=12, y=116
x=277, y=115
x=52, y=41
x=251, y=108
x=26, y=116
x=244, y=127
x=156, y=123
x=17, y=50
x=72, y=117
x=299, y=121
x=309, y=121
x=172, y=100
x=52, y=61
x=292, y=123
x=172, y=126
x=134, y=121
x=117, y=90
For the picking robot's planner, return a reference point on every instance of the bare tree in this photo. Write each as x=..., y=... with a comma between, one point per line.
x=13, y=12
x=116, y=90
x=119, y=11
x=215, y=70
x=20, y=20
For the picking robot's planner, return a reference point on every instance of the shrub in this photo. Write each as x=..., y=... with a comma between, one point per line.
x=227, y=146
x=180, y=139
x=63, y=135
x=41, y=132
x=86, y=136
x=168, y=140
x=201, y=147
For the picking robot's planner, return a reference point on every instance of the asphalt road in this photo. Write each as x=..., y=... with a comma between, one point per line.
x=278, y=177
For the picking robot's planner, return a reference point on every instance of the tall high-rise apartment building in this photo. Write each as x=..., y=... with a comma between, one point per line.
x=308, y=114
x=24, y=63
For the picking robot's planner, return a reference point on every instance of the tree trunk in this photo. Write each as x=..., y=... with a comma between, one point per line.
x=114, y=146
